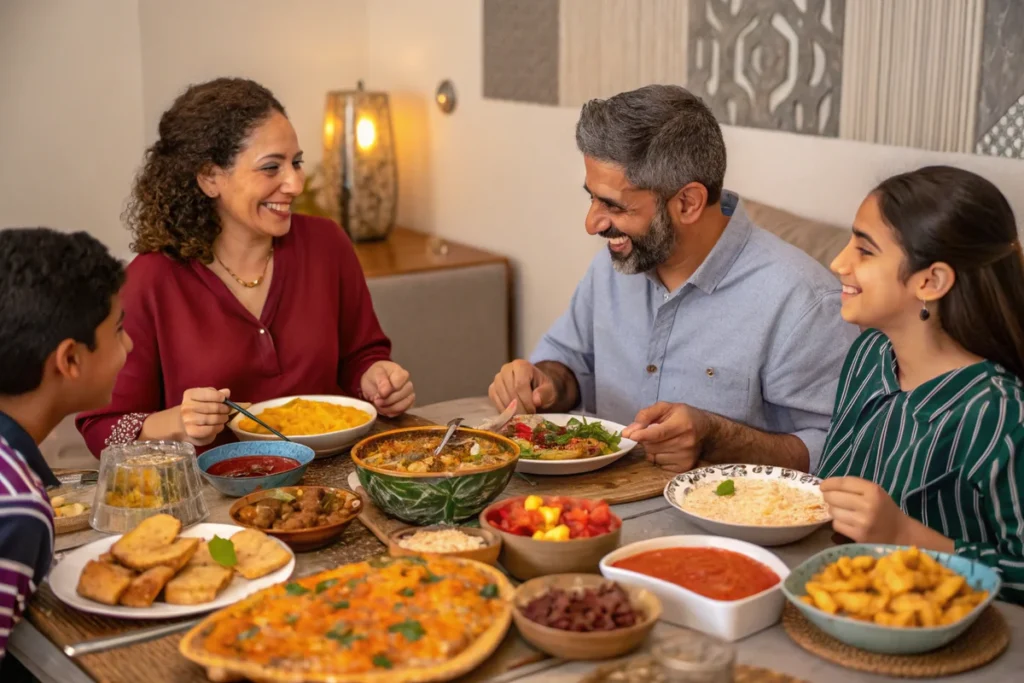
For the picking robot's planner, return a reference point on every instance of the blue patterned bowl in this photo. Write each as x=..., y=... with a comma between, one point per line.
x=888, y=639
x=425, y=498
x=236, y=487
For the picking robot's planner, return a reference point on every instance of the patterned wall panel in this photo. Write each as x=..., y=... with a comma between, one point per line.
x=944, y=75
x=769, y=63
x=910, y=72
x=610, y=46
x=1000, y=120
x=521, y=50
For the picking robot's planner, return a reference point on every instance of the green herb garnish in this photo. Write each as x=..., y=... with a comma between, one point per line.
x=410, y=628
x=248, y=633
x=379, y=562
x=324, y=585
x=414, y=559
x=489, y=591
x=726, y=488
x=291, y=619
x=340, y=604
x=407, y=592
x=343, y=635
x=352, y=583
x=431, y=577
x=382, y=662
x=294, y=588
x=222, y=550
x=281, y=495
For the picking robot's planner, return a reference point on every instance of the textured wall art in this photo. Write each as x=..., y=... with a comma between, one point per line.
x=945, y=75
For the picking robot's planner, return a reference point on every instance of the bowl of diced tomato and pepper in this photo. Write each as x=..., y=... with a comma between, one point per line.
x=552, y=534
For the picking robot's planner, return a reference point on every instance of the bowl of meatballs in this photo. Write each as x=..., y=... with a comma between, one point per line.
x=304, y=517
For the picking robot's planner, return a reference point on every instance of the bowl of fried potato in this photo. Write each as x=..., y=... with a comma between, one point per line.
x=891, y=599
x=327, y=424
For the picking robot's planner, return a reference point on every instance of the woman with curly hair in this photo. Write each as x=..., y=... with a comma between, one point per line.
x=232, y=294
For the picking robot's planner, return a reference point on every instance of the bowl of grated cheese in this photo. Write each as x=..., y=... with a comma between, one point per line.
x=467, y=542
x=759, y=504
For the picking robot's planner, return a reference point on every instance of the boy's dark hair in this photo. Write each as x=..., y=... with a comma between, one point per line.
x=53, y=286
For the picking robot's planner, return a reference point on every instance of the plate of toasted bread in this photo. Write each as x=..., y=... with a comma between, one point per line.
x=157, y=570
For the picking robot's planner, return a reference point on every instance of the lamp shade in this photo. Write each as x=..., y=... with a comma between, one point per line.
x=360, y=175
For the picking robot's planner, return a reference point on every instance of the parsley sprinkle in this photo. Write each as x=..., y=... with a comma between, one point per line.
x=431, y=577
x=341, y=604
x=344, y=637
x=324, y=585
x=410, y=628
x=352, y=583
x=489, y=591
x=407, y=592
x=248, y=633
x=382, y=662
x=294, y=588
x=291, y=619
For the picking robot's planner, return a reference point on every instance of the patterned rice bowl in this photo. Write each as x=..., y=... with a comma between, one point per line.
x=683, y=484
x=425, y=498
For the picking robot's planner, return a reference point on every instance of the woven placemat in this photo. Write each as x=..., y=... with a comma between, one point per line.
x=985, y=640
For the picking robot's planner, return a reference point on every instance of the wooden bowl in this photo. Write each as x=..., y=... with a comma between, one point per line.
x=526, y=558
x=301, y=540
x=488, y=553
x=574, y=644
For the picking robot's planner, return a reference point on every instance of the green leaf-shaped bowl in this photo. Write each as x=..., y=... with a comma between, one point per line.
x=425, y=498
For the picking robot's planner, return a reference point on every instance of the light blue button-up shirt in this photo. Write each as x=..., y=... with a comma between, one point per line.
x=754, y=335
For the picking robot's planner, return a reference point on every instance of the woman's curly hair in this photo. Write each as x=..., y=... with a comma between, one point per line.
x=206, y=126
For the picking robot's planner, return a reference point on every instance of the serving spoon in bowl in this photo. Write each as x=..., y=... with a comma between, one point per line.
x=453, y=425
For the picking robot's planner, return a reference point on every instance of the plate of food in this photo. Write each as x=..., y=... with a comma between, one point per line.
x=327, y=424
x=565, y=444
x=444, y=617
x=759, y=504
x=891, y=599
x=157, y=571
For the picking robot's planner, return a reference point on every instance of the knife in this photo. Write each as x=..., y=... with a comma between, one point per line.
x=87, y=647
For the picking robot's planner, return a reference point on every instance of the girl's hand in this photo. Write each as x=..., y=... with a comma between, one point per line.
x=863, y=511
x=386, y=384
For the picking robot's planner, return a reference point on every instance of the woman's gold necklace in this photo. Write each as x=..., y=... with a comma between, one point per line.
x=254, y=283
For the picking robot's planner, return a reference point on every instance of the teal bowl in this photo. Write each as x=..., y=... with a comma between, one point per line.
x=236, y=487
x=888, y=639
x=429, y=498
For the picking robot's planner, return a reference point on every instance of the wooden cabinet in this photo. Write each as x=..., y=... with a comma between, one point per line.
x=446, y=307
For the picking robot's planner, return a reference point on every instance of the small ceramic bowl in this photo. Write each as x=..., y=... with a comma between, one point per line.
x=241, y=486
x=888, y=639
x=526, y=558
x=574, y=644
x=303, y=540
x=487, y=553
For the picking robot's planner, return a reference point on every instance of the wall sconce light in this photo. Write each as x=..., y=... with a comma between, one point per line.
x=445, y=96
x=360, y=183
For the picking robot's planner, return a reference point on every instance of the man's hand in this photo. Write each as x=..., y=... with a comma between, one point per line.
x=525, y=382
x=671, y=433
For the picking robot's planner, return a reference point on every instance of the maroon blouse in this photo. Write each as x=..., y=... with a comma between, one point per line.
x=317, y=334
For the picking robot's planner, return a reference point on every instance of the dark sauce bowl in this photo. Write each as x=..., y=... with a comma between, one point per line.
x=248, y=453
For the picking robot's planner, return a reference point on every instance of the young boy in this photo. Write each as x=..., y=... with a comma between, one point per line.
x=61, y=347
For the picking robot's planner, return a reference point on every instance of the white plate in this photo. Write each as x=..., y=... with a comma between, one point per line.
x=576, y=465
x=677, y=490
x=324, y=444
x=64, y=579
x=730, y=620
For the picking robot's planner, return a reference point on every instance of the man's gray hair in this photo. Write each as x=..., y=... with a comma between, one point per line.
x=663, y=136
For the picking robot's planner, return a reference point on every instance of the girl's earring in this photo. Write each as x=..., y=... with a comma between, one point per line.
x=925, y=313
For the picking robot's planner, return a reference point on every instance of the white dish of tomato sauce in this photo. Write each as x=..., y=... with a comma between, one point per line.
x=719, y=586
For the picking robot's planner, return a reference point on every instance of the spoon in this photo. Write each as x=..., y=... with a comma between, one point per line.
x=453, y=425
x=243, y=411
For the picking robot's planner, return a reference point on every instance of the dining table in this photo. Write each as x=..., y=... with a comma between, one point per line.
x=49, y=626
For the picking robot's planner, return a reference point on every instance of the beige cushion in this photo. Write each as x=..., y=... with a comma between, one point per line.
x=821, y=240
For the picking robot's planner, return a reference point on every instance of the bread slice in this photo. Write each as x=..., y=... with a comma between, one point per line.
x=104, y=582
x=258, y=554
x=196, y=584
x=146, y=586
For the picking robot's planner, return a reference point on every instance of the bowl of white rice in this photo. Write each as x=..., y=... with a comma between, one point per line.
x=759, y=504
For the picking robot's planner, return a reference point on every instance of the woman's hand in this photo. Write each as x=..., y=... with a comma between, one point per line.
x=863, y=511
x=203, y=414
x=386, y=384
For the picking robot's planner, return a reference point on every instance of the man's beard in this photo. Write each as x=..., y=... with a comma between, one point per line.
x=649, y=250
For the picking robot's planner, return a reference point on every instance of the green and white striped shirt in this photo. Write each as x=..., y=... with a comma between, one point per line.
x=950, y=452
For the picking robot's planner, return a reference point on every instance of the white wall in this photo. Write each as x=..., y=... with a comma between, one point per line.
x=299, y=50
x=70, y=114
x=507, y=176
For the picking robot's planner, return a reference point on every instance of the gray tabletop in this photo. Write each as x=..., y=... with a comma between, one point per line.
x=771, y=648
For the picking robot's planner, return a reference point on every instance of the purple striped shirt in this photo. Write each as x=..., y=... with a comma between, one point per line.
x=26, y=523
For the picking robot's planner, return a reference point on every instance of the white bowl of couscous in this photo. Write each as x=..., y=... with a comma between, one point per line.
x=760, y=504
x=327, y=424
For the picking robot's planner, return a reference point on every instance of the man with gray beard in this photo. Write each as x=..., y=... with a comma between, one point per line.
x=710, y=337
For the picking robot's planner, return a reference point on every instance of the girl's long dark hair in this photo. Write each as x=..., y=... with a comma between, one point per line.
x=940, y=213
